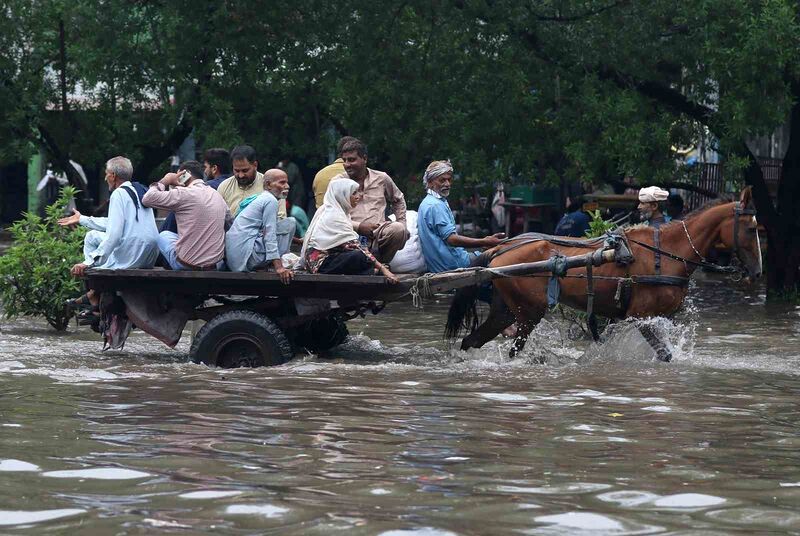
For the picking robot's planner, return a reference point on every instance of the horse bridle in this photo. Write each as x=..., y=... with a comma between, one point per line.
x=738, y=211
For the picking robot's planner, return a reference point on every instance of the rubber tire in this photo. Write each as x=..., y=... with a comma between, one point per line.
x=321, y=334
x=240, y=338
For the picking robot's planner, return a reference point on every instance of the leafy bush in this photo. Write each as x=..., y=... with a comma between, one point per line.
x=598, y=226
x=34, y=272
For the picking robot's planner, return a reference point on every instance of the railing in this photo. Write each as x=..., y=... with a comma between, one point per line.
x=712, y=178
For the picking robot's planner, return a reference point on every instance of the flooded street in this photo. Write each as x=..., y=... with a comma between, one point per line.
x=405, y=436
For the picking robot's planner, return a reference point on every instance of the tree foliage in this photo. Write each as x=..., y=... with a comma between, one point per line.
x=34, y=272
x=551, y=91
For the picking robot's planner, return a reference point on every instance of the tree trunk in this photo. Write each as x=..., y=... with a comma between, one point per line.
x=783, y=246
x=155, y=155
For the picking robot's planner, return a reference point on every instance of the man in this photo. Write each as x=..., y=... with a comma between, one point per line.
x=384, y=238
x=297, y=188
x=216, y=166
x=246, y=180
x=323, y=177
x=675, y=207
x=201, y=215
x=649, y=206
x=128, y=237
x=442, y=247
x=257, y=237
x=575, y=222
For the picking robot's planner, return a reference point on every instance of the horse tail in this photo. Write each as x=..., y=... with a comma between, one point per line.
x=463, y=313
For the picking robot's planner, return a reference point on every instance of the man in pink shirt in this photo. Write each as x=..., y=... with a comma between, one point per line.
x=383, y=237
x=202, y=217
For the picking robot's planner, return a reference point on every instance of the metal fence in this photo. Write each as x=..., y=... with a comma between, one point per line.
x=712, y=178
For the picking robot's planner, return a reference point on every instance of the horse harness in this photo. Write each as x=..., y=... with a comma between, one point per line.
x=738, y=211
x=619, y=241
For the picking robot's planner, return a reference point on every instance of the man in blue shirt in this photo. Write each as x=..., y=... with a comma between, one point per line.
x=575, y=222
x=442, y=247
x=257, y=239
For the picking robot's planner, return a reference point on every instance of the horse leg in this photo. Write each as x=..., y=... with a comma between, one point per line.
x=523, y=331
x=662, y=353
x=500, y=317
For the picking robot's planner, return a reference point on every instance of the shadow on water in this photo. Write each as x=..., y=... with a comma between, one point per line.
x=408, y=436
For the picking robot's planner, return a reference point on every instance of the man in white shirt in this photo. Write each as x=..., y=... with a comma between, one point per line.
x=128, y=237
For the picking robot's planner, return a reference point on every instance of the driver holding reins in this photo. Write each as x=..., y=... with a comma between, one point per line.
x=650, y=200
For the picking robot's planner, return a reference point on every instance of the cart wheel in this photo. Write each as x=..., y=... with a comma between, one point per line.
x=240, y=339
x=321, y=334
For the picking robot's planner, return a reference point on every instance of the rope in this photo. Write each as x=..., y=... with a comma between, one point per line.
x=420, y=290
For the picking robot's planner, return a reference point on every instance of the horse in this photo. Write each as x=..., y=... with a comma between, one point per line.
x=654, y=284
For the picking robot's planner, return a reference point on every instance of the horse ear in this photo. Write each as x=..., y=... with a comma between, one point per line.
x=747, y=196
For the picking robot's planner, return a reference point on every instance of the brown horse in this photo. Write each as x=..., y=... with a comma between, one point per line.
x=524, y=299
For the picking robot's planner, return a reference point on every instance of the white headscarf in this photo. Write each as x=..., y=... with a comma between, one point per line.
x=331, y=225
x=652, y=194
x=436, y=169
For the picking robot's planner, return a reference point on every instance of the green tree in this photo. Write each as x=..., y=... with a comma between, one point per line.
x=34, y=272
x=553, y=91
x=637, y=78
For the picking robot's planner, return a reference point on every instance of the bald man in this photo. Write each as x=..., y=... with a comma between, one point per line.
x=258, y=236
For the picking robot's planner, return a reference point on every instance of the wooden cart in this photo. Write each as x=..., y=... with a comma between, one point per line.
x=252, y=319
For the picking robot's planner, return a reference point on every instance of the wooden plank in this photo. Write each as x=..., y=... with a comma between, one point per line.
x=345, y=288
x=473, y=276
x=335, y=287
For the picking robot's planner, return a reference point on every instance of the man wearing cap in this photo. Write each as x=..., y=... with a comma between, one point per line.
x=442, y=247
x=650, y=200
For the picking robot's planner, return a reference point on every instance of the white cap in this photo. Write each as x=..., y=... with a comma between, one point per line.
x=652, y=194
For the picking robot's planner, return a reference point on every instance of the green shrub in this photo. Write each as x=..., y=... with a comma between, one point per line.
x=598, y=226
x=34, y=272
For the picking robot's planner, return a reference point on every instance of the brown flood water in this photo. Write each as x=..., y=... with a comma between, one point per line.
x=404, y=436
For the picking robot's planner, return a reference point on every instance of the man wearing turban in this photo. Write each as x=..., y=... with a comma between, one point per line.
x=650, y=200
x=442, y=247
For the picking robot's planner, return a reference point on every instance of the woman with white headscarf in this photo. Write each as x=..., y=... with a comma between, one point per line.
x=331, y=246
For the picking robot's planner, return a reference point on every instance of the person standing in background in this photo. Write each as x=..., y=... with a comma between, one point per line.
x=297, y=188
x=323, y=177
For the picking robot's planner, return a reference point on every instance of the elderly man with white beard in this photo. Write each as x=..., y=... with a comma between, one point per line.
x=650, y=200
x=257, y=239
x=442, y=247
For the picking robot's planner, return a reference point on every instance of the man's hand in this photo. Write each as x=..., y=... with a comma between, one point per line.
x=390, y=277
x=367, y=229
x=285, y=274
x=495, y=239
x=170, y=179
x=70, y=220
x=78, y=270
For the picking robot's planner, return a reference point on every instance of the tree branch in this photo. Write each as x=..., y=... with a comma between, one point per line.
x=581, y=16
x=62, y=160
x=664, y=94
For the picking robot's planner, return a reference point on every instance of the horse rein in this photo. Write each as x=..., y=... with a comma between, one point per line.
x=738, y=211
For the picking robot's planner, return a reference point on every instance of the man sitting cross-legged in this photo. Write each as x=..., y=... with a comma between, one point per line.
x=257, y=238
x=127, y=238
x=384, y=238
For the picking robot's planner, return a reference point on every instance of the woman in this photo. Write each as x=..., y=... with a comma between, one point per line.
x=331, y=245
